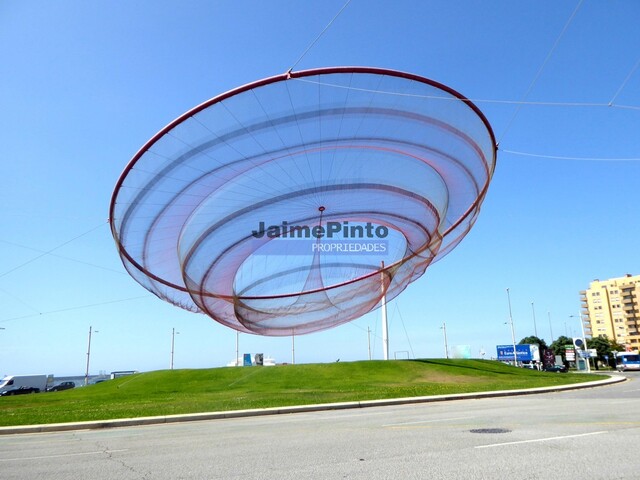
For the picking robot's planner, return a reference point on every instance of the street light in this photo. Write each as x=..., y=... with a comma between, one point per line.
x=173, y=342
x=293, y=346
x=86, y=375
x=535, y=329
x=237, y=348
x=446, y=347
x=513, y=334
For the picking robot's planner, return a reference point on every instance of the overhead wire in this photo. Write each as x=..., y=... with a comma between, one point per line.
x=519, y=103
x=63, y=257
x=474, y=100
x=559, y=157
x=591, y=159
x=20, y=300
x=524, y=102
x=405, y=330
x=80, y=307
x=48, y=252
x=315, y=40
x=624, y=82
x=540, y=70
x=513, y=102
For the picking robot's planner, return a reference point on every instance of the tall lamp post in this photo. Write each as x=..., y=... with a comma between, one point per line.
x=173, y=343
x=86, y=375
x=535, y=329
x=446, y=346
x=513, y=333
x=383, y=306
x=237, y=348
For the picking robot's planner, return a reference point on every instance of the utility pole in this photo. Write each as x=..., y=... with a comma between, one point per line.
x=237, y=348
x=513, y=334
x=173, y=341
x=86, y=375
x=293, y=347
x=446, y=346
x=385, y=327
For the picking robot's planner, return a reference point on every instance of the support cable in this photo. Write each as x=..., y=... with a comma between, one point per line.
x=405, y=331
x=318, y=37
x=80, y=307
x=624, y=83
x=583, y=159
x=51, y=250
x=544, y=64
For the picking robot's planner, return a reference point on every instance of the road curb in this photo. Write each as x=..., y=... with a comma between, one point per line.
x=194, y=417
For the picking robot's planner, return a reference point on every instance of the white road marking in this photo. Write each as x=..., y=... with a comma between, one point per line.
x=541, y=439
x=99, y=452
x=425, y=421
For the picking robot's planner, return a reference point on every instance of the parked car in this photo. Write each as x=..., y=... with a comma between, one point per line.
x=20, y=391
x=556, y=368
x=62, y=386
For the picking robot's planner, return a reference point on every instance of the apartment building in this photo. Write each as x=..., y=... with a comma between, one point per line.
x=611, y=308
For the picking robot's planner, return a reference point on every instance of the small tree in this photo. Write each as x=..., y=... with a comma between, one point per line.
x=533, y=340
x=616, y=347
x=605, y=347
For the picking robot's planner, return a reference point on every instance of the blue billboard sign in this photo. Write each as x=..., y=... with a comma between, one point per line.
x=524, y=353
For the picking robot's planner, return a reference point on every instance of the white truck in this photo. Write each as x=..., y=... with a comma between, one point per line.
x=14, y=382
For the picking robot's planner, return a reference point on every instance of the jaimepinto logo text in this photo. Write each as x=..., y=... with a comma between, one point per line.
x=332, y=238
x=338, y=230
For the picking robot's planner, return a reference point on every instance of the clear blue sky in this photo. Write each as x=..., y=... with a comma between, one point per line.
x=83, y=85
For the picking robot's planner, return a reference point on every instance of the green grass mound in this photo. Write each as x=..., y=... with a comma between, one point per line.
x=169, y=392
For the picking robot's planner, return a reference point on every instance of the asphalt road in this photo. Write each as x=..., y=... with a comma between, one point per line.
x=592, y=434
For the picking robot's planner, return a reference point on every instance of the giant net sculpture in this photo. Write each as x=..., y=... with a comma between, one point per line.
x=295, y=203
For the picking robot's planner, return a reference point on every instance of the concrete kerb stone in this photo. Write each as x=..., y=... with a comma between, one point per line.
x=194, y=417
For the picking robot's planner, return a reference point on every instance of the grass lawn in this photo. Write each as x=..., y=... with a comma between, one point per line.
x=169, y=392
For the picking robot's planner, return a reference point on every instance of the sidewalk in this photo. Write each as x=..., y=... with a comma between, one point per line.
x=192, y=417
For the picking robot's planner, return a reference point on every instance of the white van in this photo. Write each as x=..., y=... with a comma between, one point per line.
x=13, y=382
